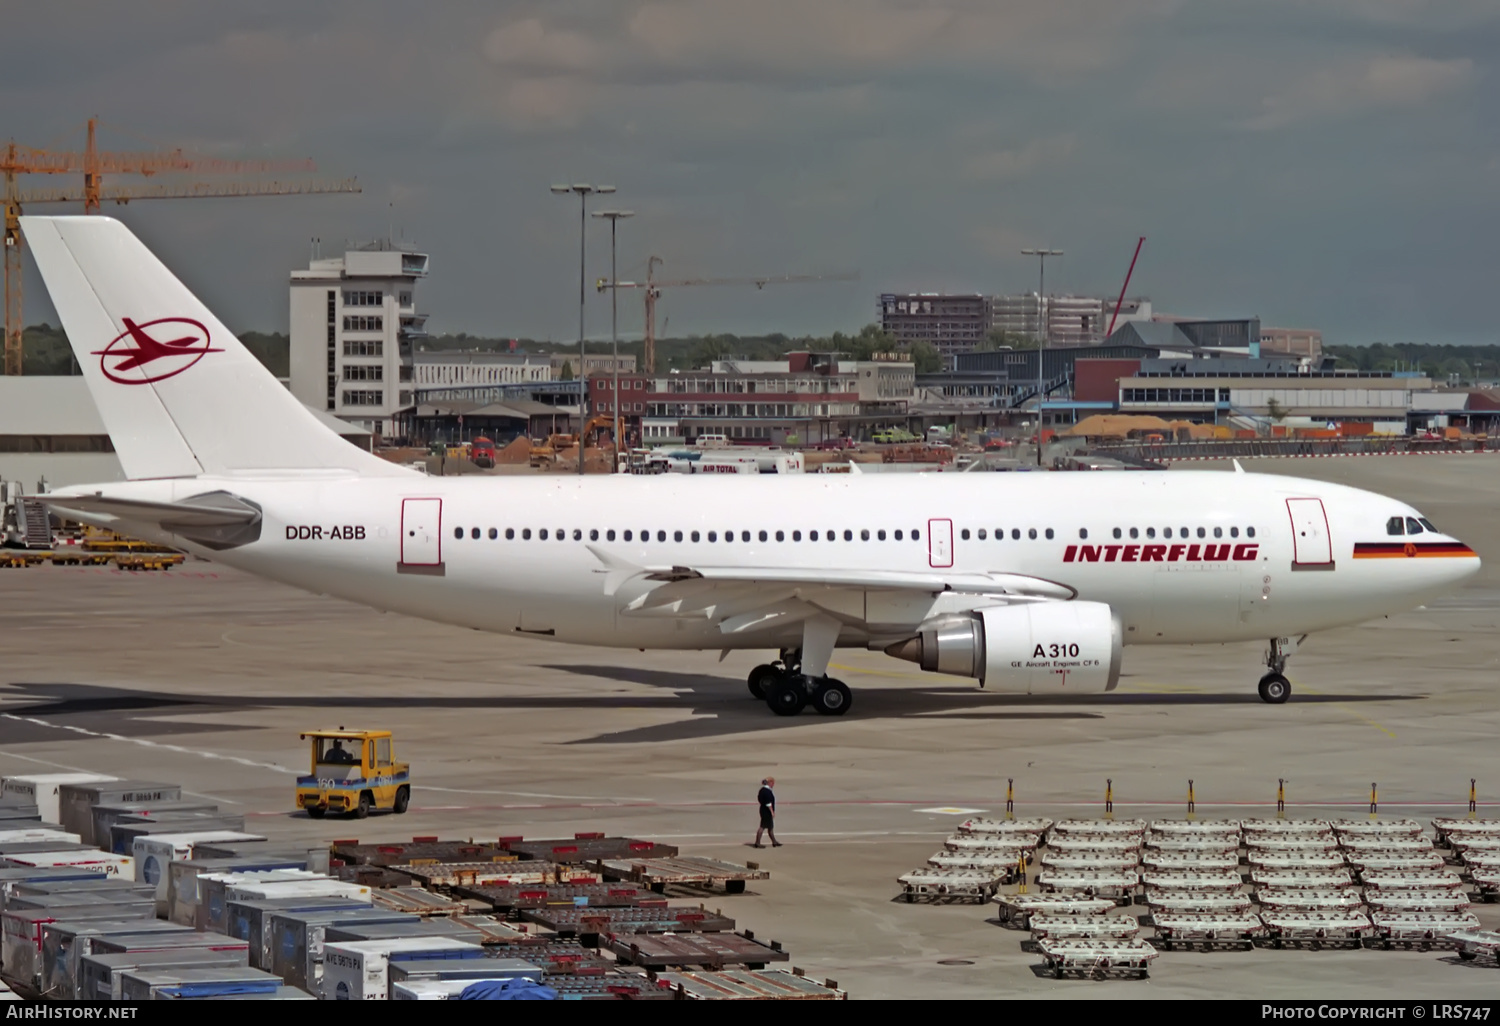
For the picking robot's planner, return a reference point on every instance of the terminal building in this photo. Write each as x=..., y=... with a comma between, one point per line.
x=353, y=327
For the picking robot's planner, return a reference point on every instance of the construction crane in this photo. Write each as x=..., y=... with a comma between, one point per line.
x=94, y=164
x=652, y=291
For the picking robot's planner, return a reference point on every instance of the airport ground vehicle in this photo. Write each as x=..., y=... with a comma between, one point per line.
x=482, y=452
x=353, y=771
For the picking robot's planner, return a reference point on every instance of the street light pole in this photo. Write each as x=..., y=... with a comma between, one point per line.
x=1042, y=327
x=615, y=216
x=583, y=191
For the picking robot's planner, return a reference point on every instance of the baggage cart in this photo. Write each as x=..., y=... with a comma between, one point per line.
x=1428, y=929
x=1292, y=843
x=691, y=870
x=1007, y=863
x=416, y=902
x=746, y=985
x=1376, y=827
x=1121, y=861
x=1412, y=880
x=944, y=882
x=1416, y=901
x=448, y=876
x=988, y=842
x=589, y=924
x=1098, y=827
x=1394, y=861
x=1206, y=929
x=1486, y=883
x=1175, y=901
x=1105, y=927
x=589, y=848
x=1017, y=909
x=1260, y=859
x=507, y=897
x=1445, y=829
x=99, y=975
x=1094, y=842
x=1213, y=881
x=1315, y=927
x=1200, y=828
x=1097, y=958
x=1284, y=827
x=1300, y=879
x=693, y=950
x=1419, y=845
x=420, y=853
x=1473, y=943
x=1020, y=828
x=1090, y=883
x=1190, y=860
x=1212, y=844
x=1298, y=900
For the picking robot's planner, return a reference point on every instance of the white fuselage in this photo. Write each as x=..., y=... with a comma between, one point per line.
x=1183, y=557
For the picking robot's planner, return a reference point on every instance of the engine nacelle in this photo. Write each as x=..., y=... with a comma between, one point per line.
x=1028, y=648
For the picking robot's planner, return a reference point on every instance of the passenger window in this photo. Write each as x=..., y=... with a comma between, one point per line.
x=1117, y=532
x=1083, y=533
x=796, y=536
x=1182, y=532
x=458, y=532
x=812, y=535
x=1049, y=534
x=744, y=536
x=1249, y=532
x=1015, y=534
x=526, y=534
x=728, y=536
x=880, y=535
x=609, y=535
x=1031, y=534
x=1218, y=532
x=627, y=535
x=577, y=534
x=1200, y=532
x=1166, y=532
x=1234, y=532
x=695, y=536
x=510, y=534
x=964, y=534
x=494, y=534
x=713, y=536
x=898, y=535
x=864, y=534
x=848, y=535
x=562, y=534
x=1412, y=527
x=1134, y=533
x=916, y=536
x=542, y=534
x=981, y=534
x=780, y=536
x=762, y=536
x=677, y=536
x=661, y=536
x=1150, y=532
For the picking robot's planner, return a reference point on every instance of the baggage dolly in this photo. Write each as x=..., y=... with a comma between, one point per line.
x=1473, y=943
x=940, y=882
x=1313, y=928
x=1206, y=929
x=1017, y=909
x=1429, y=929
x=1098, y=958
x=1106, y=927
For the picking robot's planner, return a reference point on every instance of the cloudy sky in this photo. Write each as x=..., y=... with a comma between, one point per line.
x=1321, y=163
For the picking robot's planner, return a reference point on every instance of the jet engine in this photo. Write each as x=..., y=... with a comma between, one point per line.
x=1028, y=648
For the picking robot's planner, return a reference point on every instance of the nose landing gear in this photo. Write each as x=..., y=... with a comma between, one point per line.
x=1274, y=687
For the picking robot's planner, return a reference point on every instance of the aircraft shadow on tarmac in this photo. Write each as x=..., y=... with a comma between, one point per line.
x=719, y=706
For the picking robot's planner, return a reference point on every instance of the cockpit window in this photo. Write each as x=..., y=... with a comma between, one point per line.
x=1395, y=525
x=1427, y=524
x=1412, y=527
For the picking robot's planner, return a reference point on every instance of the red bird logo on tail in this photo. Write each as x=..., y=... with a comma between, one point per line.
x=138, y=357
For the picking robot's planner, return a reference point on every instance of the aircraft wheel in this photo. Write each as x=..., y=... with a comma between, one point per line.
x=787, y=697
x=832, y=698
x=1275, y=689
x=761, y=679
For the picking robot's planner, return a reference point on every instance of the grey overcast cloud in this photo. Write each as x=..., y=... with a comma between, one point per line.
x=1331, y=164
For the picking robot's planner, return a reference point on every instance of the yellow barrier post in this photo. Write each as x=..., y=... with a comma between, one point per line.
x=1010, y=798
x=1473, y=799
x=1191, y=812
x=1109, y=799
x=1280, y=798
x=1373, y=807
x=1021, y=871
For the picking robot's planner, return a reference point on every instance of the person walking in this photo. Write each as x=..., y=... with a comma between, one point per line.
x=767, y=800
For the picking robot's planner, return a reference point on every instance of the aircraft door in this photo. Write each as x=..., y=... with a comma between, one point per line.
x=940, y=543
x=421, y=536
x=1312, y=548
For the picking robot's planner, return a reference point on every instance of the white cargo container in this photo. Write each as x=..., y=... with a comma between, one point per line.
x=102, y=861
x=154, y=853
x=38, y=834
x=361, y=970
x=441, y=990
x=212, y=892
x=41, y=789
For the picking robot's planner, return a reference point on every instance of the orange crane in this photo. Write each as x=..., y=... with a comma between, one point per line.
x=652, y=287
x=94, y=164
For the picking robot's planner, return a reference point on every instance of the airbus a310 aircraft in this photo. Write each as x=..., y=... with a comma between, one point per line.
x=1030, y=583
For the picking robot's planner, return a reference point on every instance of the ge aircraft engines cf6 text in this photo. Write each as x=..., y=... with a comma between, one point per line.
x=1027, y=582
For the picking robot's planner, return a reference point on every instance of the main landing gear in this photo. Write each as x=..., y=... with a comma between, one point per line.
x=1274, y=687
x=787, y=690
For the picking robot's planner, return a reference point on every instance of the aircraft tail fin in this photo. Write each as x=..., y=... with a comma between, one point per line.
x=178, y=393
